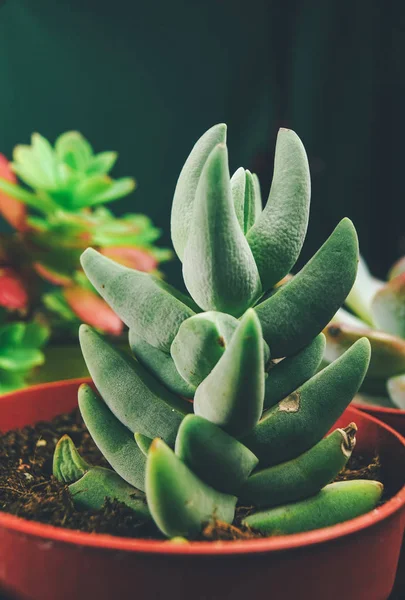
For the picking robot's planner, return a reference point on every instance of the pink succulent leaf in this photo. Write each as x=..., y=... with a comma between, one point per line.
x=13, y=295
x=12, y=210
x=397, y=269
x=388, y=307
x=396, y=390
x=134, y=258
x=92, y=309
x=51, y=275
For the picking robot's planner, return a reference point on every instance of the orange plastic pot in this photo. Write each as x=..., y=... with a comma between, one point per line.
x=355, y=560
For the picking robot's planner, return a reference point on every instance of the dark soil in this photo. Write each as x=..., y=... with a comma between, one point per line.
x=28, y=488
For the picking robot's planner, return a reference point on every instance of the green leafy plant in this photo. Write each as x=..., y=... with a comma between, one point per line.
x=243, y=348
x=56, y=211
x=377, y=312
x=20, y=351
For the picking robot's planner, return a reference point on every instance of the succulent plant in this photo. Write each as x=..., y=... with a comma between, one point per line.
x=56, y=220
x=20, y=351
x=244, y=349
x=377, y=312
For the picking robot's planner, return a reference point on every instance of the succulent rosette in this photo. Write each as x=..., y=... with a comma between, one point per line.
x=57, y=211
x=221, y=404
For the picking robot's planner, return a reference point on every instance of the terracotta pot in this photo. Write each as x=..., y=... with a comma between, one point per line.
x=394, y=417
x=355, y=560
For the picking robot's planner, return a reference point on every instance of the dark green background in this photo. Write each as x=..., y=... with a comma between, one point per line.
x=147, y=78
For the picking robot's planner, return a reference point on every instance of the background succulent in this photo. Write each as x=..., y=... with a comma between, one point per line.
x=20, y=351
x=245, y=349
x=377, y=311
x=56, y=211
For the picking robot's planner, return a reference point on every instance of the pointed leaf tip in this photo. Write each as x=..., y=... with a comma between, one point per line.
x=301, y=308
x=68, y=465
x=233, y=393
x=184, y=195
x=180, y=503
x=277, y=236
x=218, y=266
x=149, y=306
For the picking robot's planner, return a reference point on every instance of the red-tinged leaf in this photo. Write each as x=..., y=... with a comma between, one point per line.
x=388, y=307
x=134, y=258
x=92, y=309
x=397, y=269
x=387, y=351
x=51, y=276
x=13, y=211
x=13, y=294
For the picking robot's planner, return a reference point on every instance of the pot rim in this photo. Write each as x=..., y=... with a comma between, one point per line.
x=50, y=533
x=384, y=410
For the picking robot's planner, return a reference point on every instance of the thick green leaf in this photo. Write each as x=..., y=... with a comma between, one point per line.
x=91, y=491
x=238, y=186
x=132, y=394
x=336, y=503
x=114, y=440
x=301, y=308
x=149, y=306
x=258, y=197
x=200, y=343
x=218, y=266
x=303, y=476
x=180, y=503
x=232, y=394
x=244, y=195
x=161, y=365
x=184, y=195
x=251, y=202
x=302, y=419
x=277, y=237
x=287, y=375
x=144, y=442
x=212, y=454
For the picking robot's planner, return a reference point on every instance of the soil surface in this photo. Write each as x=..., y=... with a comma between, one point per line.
x=28, y=488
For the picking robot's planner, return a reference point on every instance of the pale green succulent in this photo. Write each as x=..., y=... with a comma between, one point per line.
x=377, y=312
x=243, y=349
